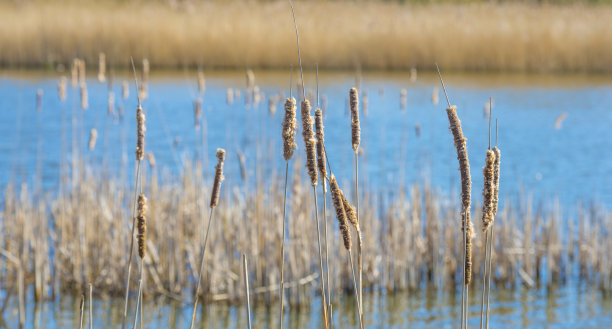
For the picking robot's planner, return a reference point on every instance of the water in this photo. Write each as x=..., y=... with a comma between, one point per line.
x=568, y=164
x=561, y=307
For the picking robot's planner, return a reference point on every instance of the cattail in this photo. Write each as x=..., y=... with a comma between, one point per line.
x=271, y=106
x=84, y=98
x=201, y=82
x=321, y=165
x=140, y=133
x=496, y=180
x=336, y=194
x=351, y=215
x=39, y=95
x=142, y=225
x=487, y=190
x=102, y=67
x=125, y=90
x=250, y=79
x=289, y=127
x=146, y=67
x=93, y=136
x=434, y=96
x=111, y=103
x=230, y=96
x=310, y=142
x=355, y=127
x=403, y=97
x=466, y=185
x=151, y=159
x=74, y=73
x=468, y=252
x=214, y=198
x=197, y=111
x=61, y=88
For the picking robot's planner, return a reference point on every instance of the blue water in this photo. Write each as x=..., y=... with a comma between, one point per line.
x=570, y=163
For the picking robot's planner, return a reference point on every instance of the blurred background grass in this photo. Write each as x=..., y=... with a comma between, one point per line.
x=526, y=36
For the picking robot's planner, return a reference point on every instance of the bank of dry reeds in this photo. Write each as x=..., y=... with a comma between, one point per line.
x=371, y=35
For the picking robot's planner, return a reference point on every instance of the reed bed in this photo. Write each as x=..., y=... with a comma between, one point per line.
x=409, y=243
x=339, y=35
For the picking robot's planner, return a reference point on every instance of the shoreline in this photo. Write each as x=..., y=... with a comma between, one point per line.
x=338, y=36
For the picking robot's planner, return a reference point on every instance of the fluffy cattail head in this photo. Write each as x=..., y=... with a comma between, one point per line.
x=336, y=194
x=289, y=127
x=93, y=136
x=496, y=180
x=142, y=225
x=355, y=126
x=462, y=156
x=487, y=190
x=214, y=198
x=320, y=144
x=310, y=142
x=140, y=133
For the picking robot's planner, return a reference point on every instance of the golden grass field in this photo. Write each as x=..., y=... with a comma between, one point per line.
x=337, y=35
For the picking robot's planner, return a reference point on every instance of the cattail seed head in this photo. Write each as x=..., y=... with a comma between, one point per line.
x=487, y=190
x=310, y=142
x=142, y=225
x=468, y=251
x=462, y=156
x=93, y=136
x=140, y=133
x=289, y=127
x=336, y=194
x=496, y=180
x=214, y=198
x=351, y=215
x=321, y=165
x=355, y=126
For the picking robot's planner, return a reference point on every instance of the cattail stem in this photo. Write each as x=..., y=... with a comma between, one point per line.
x=327, y=256
x=350, y=256
x=359, y=242
x=282, y=280
x=246, y=290
x=82, y=310
x=129, y=271
x=139, y=299
x=324, y=303
x=90, y=306
x=484, y=278
x=489, y=279
x=197, y=293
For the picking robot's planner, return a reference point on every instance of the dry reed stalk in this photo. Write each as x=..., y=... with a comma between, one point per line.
x=81, y=311
x=250, y=79
x=214, y=201
x=74, y=72
x=246, y=290
x=84, y=98
x=494, y=210
x=146, y=68
x=151, y=159
x=201, y=82
x=143, y=92
x=197, y=112
x=102, y=67
x=125, y=90
x=403, y=99
x=93, y=136
x=355, y=141
x=61, y=88
x=90, y=306
x=434, y=96
x=111, y=103
x=81, y=71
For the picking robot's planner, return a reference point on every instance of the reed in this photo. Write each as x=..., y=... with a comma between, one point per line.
x=246, y=290
x=214, y=201
x=355, y=140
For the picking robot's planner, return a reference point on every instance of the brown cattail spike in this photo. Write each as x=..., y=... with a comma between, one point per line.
x=140, y=133
x=351, y=215
x=320, y=142
x=289, y=127
x=462, y=156
x=336, y=194
x=487, y=190
x=355, y=126
x=214, y=198
x=141, y=220
x=496, y=181
x=310, y=142
x=468, y=251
